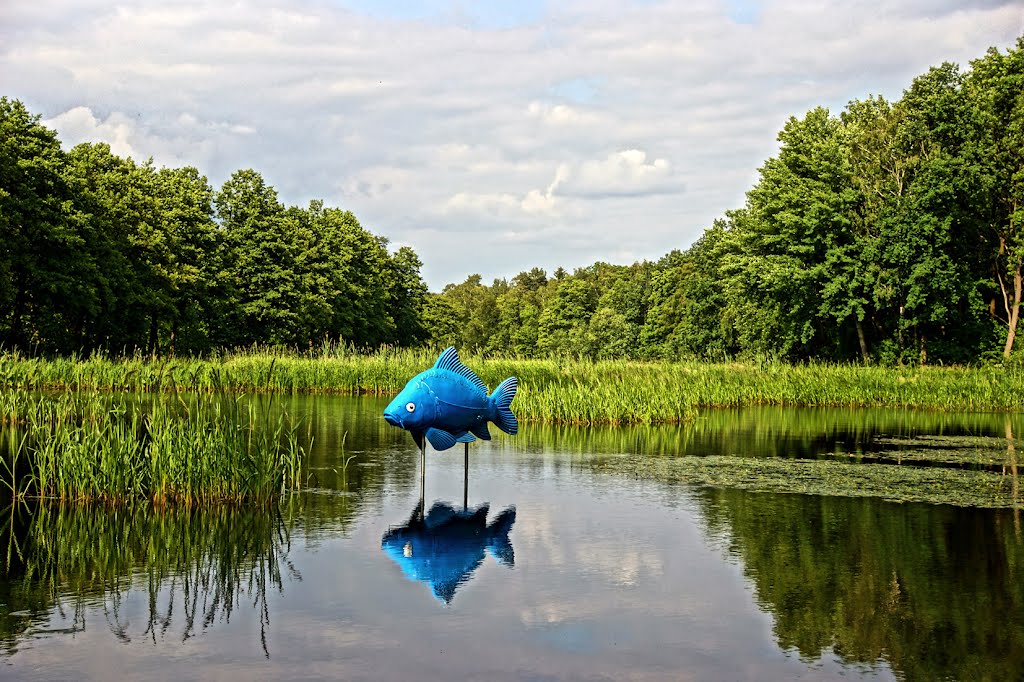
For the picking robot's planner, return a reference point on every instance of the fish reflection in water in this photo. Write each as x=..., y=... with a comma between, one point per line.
x=444, y=547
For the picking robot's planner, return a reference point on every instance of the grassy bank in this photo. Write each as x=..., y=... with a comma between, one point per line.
x=568, y=391
x=90, y=446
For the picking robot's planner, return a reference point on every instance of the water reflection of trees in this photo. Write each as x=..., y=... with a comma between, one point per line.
x=766, y=432
x=937, y=592
x=195, y=567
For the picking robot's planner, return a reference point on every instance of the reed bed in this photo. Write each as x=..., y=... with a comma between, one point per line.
x=93, y=447
x=557, y=390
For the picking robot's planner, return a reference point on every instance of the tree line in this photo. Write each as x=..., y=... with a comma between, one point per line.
x=102, y=252
x=889, y=233
x=893, y=232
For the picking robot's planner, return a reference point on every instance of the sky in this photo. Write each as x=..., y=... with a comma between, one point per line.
x=492, y=136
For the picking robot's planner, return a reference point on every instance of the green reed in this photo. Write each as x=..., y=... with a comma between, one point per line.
x=83, y=446
x=555, y=390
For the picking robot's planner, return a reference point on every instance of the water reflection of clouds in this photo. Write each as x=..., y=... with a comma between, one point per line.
x=619, y=565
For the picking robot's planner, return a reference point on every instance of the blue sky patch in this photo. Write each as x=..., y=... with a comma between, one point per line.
x=744, y=11
x=579, y=90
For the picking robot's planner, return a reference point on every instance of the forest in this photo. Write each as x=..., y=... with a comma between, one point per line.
x=890, y=233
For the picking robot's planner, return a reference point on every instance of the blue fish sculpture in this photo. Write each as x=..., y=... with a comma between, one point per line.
x=448, y=404
x=445, y=548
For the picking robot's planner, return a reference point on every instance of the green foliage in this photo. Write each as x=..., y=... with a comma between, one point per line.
x=41, y=271
x=890, y=234
x=106, y=253
x=995, y=146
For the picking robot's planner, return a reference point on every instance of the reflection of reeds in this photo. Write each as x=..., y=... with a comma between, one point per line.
x=1011, y=464
x=86, y=446
x=562, y=390
x=195, y=566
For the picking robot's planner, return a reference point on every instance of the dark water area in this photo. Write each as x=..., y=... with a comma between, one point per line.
x=541, y=567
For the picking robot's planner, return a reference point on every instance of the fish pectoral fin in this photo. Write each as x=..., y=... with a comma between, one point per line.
x=465, y=437
x=440, y=440
x=480, y=431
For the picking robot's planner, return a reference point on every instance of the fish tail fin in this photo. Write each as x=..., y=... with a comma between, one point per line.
x=497, y=537
x=501, y=399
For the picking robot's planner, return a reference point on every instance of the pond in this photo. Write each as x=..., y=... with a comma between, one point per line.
x=539, y=562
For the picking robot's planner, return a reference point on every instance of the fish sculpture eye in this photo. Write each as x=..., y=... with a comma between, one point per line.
x=410, y=407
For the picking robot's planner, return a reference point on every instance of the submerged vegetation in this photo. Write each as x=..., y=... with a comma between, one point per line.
x=93, y=447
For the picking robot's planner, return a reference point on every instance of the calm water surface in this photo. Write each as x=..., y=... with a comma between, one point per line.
x=540, y=568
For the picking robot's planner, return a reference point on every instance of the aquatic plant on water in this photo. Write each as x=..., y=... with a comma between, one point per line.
x=89, y=446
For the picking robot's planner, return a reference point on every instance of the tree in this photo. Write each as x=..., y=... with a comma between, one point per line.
x=38, y=240
x=407, y=294
x=440, y=320
x=260, y=256
x=186, y=205
x=995, y=89
x=109, y=208
x=798, y=215
x=687, y=315
x=476, y=311
x=935, y=244
x=519, y=310
x=562, y=327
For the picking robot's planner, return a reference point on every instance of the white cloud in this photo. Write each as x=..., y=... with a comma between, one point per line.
x=625, y=173
x=495, y=204
x=561, y=114
x=442, y=134
x=80, y=125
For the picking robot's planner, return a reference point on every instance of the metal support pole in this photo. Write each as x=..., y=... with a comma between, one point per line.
x=465, y=480
x=423, y=476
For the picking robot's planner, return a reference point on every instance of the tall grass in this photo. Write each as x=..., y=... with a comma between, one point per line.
x=88, y=446
x=568, y=391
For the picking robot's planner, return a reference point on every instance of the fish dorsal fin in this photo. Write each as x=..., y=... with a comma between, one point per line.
x=449, y=360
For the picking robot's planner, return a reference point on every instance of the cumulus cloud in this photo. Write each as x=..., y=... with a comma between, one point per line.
x=561, y=114
x=626, y=173
x=80, y=125
x=552, y=128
